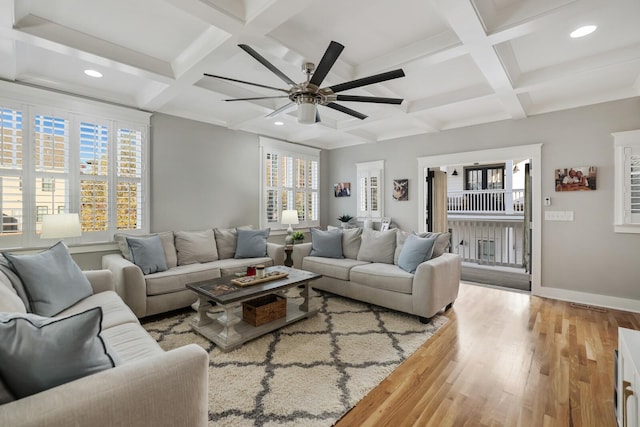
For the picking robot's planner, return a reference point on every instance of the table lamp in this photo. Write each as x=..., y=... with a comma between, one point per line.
x=60, y=226
x=289, y=217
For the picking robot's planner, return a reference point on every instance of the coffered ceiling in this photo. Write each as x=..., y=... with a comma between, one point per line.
x=466, y=61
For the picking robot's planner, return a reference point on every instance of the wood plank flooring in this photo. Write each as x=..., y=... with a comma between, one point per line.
x=504, y=359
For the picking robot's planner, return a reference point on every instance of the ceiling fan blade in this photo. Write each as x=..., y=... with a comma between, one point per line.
x=346, y=110
x=247, y=83
x=328, y=59
x=282, y=109
x=376, y=99
x=389, y=75
x=266, y=63
x=256, y=98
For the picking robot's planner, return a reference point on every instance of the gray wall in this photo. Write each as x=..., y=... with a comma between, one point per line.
x=202, y=176
x=584, y=255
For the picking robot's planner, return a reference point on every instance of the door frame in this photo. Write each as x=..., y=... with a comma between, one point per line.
x=532, y=152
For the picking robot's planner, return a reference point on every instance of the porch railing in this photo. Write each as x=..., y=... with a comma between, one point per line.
x=486, y=201
x=489, y=242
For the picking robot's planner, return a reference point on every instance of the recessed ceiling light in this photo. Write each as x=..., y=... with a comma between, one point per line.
x=93, y=73
x=582, y=31
x=278, y=123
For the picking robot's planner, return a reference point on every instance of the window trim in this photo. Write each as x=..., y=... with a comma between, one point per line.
x=623, y=142
x=283, y=148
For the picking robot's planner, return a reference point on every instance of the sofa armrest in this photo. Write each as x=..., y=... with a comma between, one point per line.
x=435, y=284
x=275, y=251
x=300, y=251
x=101, y=280
x=168, y=389
x=129, y=282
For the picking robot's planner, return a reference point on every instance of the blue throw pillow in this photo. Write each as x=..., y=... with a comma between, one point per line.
x=147, y=253
x=415, y=251
x=52, y=280
x=327, y=244
x=39, y=353
x=251, y=243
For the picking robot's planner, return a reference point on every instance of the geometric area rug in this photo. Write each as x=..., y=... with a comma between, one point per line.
x=309, y=373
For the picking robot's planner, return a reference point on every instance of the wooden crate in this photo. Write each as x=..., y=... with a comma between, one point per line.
x=263, y=310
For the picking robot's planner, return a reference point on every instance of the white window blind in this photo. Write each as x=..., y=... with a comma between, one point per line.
x=627, y=182
x=290, y=180
x=56, y=161
x=370, y=190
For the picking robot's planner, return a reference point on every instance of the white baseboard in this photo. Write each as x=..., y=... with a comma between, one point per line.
x=625, y=304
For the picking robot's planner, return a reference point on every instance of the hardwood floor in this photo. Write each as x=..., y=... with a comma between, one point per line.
x=504, y=359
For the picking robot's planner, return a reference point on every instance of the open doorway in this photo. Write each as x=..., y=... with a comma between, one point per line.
x=493, y=212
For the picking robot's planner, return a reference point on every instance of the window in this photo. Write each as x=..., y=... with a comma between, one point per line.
x=57, y=161
x=370, y=197
x=290, y=180
x=627, y=182
x=484, y=178
x=486, y=250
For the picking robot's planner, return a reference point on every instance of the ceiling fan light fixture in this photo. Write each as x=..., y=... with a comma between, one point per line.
x=306, y=113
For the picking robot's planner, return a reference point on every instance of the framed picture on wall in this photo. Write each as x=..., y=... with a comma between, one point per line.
x=342, y=189
x=401, y=189
x=384, y=224
x=582, y=178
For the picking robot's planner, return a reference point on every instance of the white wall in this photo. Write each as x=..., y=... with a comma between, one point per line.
x=584, y=255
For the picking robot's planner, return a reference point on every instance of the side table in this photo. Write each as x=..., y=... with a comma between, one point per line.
x=288, y=261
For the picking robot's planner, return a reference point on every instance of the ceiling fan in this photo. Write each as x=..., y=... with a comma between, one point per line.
x=307, y=95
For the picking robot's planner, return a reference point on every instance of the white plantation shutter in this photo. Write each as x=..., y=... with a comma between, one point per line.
x=94, y=165
x=11, y=200
x=370, y=190
x=290, y=176
x=129, y=179
x=51, y=162
x=627, y=182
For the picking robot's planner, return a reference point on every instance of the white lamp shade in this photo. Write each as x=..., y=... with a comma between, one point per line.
x=306, y=114
x=290, y=217
x=60, y=226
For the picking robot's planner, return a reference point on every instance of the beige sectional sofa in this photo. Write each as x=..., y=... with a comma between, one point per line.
x=147, y=387
x=190, y=257
x=432, y=287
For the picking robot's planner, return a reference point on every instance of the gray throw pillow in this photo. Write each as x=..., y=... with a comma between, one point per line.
x=168, y=246
x=351, y=240
x=52, y=279
x=39, y=353
x=5, y=395
x=226, y=241
x=251, y=243
x=147, y=253
x=327, y=244
x=377, y=246
x=415, y=251
x=16, y=282
x=196, y=246
x=443, y=240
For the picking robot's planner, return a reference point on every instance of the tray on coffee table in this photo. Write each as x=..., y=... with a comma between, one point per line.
x=254, y=280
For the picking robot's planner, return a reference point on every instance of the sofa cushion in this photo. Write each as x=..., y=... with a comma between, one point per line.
x=231, y=266
x=52, y=279
x=114, y=310
x=326, y=244
x=377, y=246
x=16, y=283
x=130, y=342
x=415, y=251
x=147, y=253
x=251, y=243
x=67, y=349
x=226, y=241
x=441, y=246
x=168, y=246
x=195, y=246
x=175, y=279
x=351, y=240
x=9, y=299
x=387, y=277
x=338, y=268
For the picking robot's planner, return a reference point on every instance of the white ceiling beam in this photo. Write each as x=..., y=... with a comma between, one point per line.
x=464, y=21
x=447, y=98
